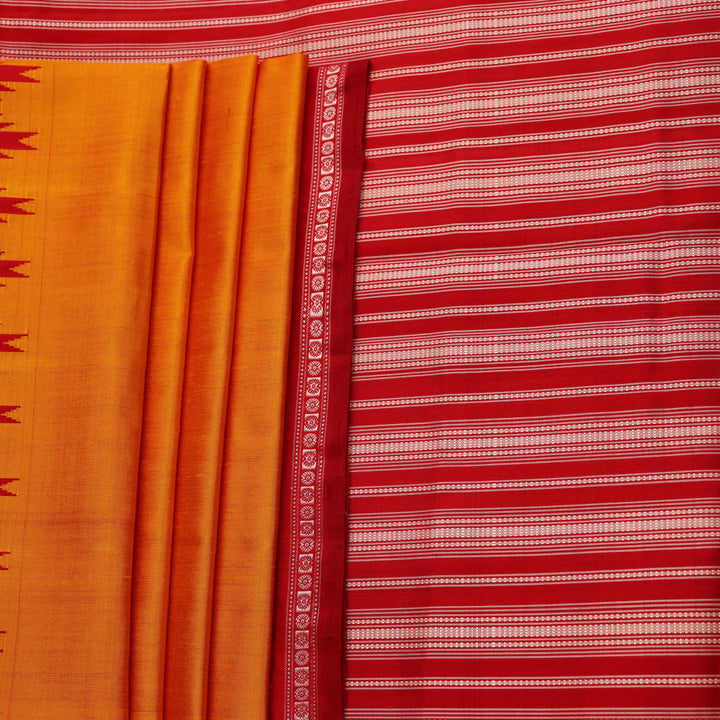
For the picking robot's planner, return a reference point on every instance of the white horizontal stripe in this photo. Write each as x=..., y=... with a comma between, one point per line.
x=536, y=532
x=490, y=183
x=573, y=303
x=647, y=256
x=504, y=103
x=494, y=61
x=447, y=198
x=567, y=166
x=517, y=168
x=659, y=436
x=492, y=23
x=599, y=546
x=534, y=713
x=457, y=683
x=500, y=530
x=542, y=138
x=321, y=9
x=442, y=651
x=646, y=607
x=548, y=393
x=602, y=632
x=496, y=617
x=539, y=423
x=519, y=511
x=482, y=349
x=512, y=90
x=544, y=483
x=572, y=519
x=444, y=231
x=532, y=578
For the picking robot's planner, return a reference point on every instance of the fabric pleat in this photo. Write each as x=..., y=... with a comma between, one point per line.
x=86, y=227
x=242, y=605
x=163, y=389
x=224, y=144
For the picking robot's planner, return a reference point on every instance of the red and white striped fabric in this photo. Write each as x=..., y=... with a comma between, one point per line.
x=534, y=436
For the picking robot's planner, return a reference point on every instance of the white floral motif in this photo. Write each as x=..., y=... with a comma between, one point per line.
x=301, y=705
x=316, y=349
x=305, y=582
x=302, y=620
x=307, y=545
x=309, y=458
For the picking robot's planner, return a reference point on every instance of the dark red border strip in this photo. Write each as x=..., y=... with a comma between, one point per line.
x=310, y=572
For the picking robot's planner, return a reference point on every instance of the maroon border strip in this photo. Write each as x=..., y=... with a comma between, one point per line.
x=307, y=658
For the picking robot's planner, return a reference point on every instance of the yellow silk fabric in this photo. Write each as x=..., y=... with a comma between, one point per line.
x=150, y=388
x=163, y=388
x=253, y=443
x=224, y=145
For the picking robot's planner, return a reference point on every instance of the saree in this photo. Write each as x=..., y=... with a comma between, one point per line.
x=533, y=434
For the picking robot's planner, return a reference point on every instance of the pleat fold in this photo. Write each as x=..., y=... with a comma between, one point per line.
x=163, y=390
x=227, y=113
x=242, y=604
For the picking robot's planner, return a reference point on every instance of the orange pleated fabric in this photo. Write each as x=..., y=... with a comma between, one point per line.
x=224, y=145
x=163, y=389
x=242, y=619
x=144, y=331
x=74, y=446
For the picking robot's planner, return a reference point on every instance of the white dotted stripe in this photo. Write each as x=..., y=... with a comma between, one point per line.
x=540, y=682
x=534, y=578
x=458, y=228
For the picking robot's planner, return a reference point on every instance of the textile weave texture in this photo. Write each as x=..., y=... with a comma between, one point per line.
x=533, y=438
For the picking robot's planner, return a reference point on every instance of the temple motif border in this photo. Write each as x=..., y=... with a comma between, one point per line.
x=11, y=140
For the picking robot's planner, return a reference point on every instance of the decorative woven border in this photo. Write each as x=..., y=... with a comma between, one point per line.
x=307, y=657
x=308, y=473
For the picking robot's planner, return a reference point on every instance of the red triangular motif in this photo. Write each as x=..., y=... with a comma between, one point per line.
x=3, y=490
x=16, y=73
x=4, y=410
x=8, y=268
x=12, y=140
x=7, y=340
x=8, y=205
